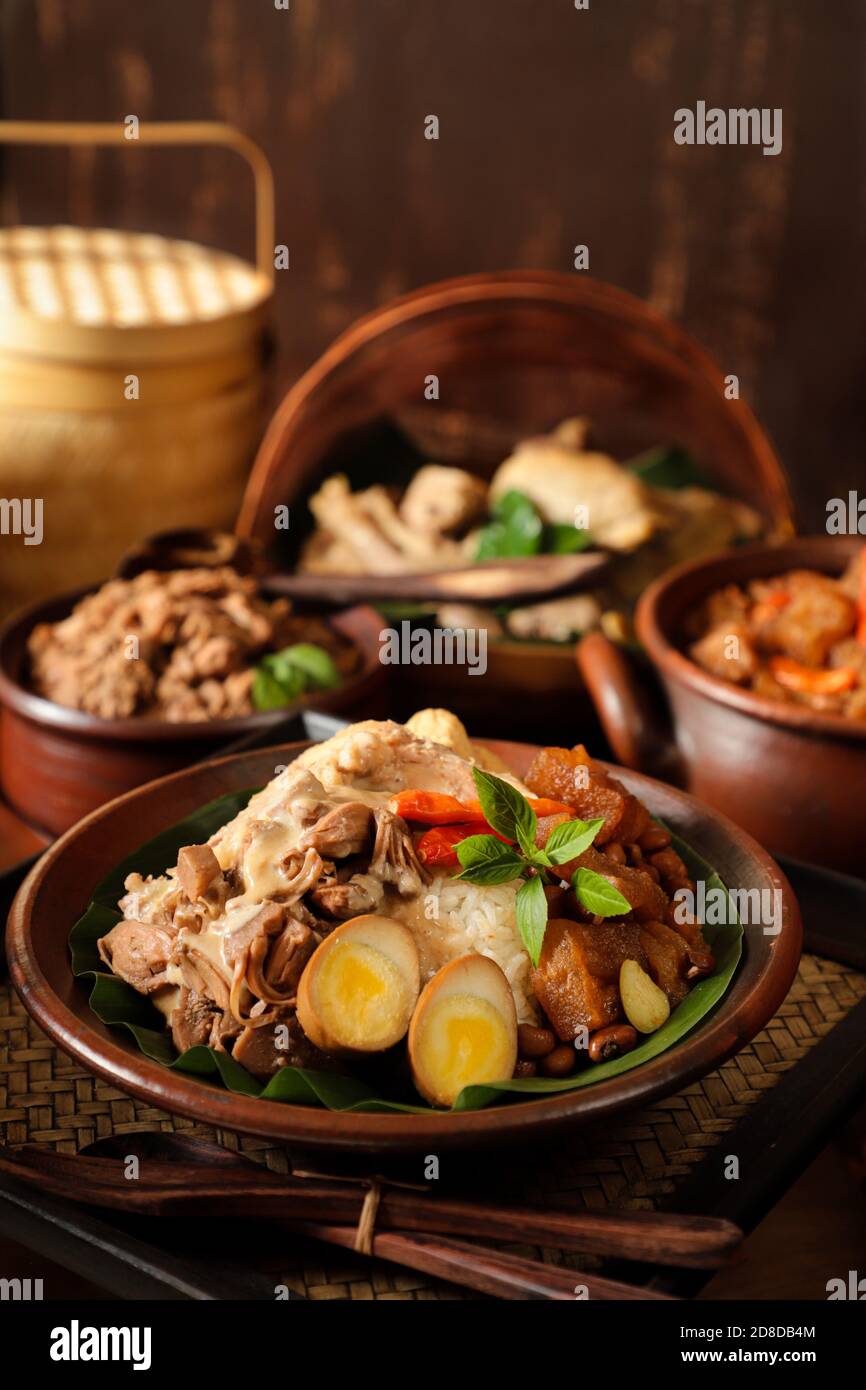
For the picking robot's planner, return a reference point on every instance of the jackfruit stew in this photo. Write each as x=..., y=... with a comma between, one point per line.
x=398, y=888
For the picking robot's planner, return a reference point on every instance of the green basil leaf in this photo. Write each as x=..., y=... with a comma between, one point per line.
x=269, y=692
x=540, y=859
x=667, y=468
x=526, y=828
x=531, y=912
x=598, y=895
x=515, y=529
x=505, y=809
x=316, y=664
x=566, y=540
x=570, y=838
x=487, y=861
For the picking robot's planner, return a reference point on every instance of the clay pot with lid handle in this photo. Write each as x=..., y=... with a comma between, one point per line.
x=794, y=778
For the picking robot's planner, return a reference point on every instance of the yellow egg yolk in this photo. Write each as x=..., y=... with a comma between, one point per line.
x=464, y=1042
x=360, y=994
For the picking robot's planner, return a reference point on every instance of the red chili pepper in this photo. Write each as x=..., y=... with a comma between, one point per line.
x=437, y=808
x=430, y=808
x=437, y=846
x=861, y=601
x=810, y=680
x=541, y=805
x=770, y=606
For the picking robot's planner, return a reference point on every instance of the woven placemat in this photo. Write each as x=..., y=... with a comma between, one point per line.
x=632, y=1162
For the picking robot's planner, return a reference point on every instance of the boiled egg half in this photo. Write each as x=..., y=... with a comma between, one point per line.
x=360, y=986
x=464, y=1030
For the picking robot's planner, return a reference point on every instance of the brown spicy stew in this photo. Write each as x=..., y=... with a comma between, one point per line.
x=799, y=637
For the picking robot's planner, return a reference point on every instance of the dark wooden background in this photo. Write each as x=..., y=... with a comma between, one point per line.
x=556, y=129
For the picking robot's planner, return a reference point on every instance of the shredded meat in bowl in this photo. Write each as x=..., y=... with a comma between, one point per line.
x=181, y=645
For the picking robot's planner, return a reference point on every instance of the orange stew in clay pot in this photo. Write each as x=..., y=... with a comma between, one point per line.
x=761, y=658
x=798, y=637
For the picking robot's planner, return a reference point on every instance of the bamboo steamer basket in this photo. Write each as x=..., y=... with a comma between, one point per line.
x=132, y=374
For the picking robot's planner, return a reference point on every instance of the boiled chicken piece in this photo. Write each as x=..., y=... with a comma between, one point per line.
x=268, y=922
x=442, y=727
x=570, y=486
x=192, y=1020
x=266, y=1050
x=369, y=531
x=359, y=894
x=394, y=859
x=387, y=756
x=139, y=953
x=440, y=501
x=557, y=620
x=342, y=831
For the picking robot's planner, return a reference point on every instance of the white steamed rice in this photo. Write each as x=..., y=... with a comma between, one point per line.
x=472, y=918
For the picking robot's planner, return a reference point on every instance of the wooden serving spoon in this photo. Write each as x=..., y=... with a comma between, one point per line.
x=685, y=1241
x=192, y=1177
x=526, y=579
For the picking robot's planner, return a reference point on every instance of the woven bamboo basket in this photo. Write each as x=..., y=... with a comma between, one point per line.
x=132, y=375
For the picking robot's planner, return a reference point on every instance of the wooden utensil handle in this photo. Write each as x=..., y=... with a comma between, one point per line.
x=631, y=727
x=477, y=1267
x=165, y=133
x=490, y=581
x=656, y=1237
x=689, y=1241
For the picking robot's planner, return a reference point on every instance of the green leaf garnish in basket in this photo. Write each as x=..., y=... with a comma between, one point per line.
x=669, y=468
x=515, y=529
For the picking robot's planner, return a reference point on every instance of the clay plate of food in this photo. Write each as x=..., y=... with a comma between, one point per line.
x=400, y=937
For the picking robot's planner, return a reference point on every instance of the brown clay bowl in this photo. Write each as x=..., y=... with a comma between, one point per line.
x=515, y=353
x=792, y=777
x=58, y=764
x=59, y=887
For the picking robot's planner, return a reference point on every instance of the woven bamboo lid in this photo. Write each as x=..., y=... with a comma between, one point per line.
x=104, y=296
